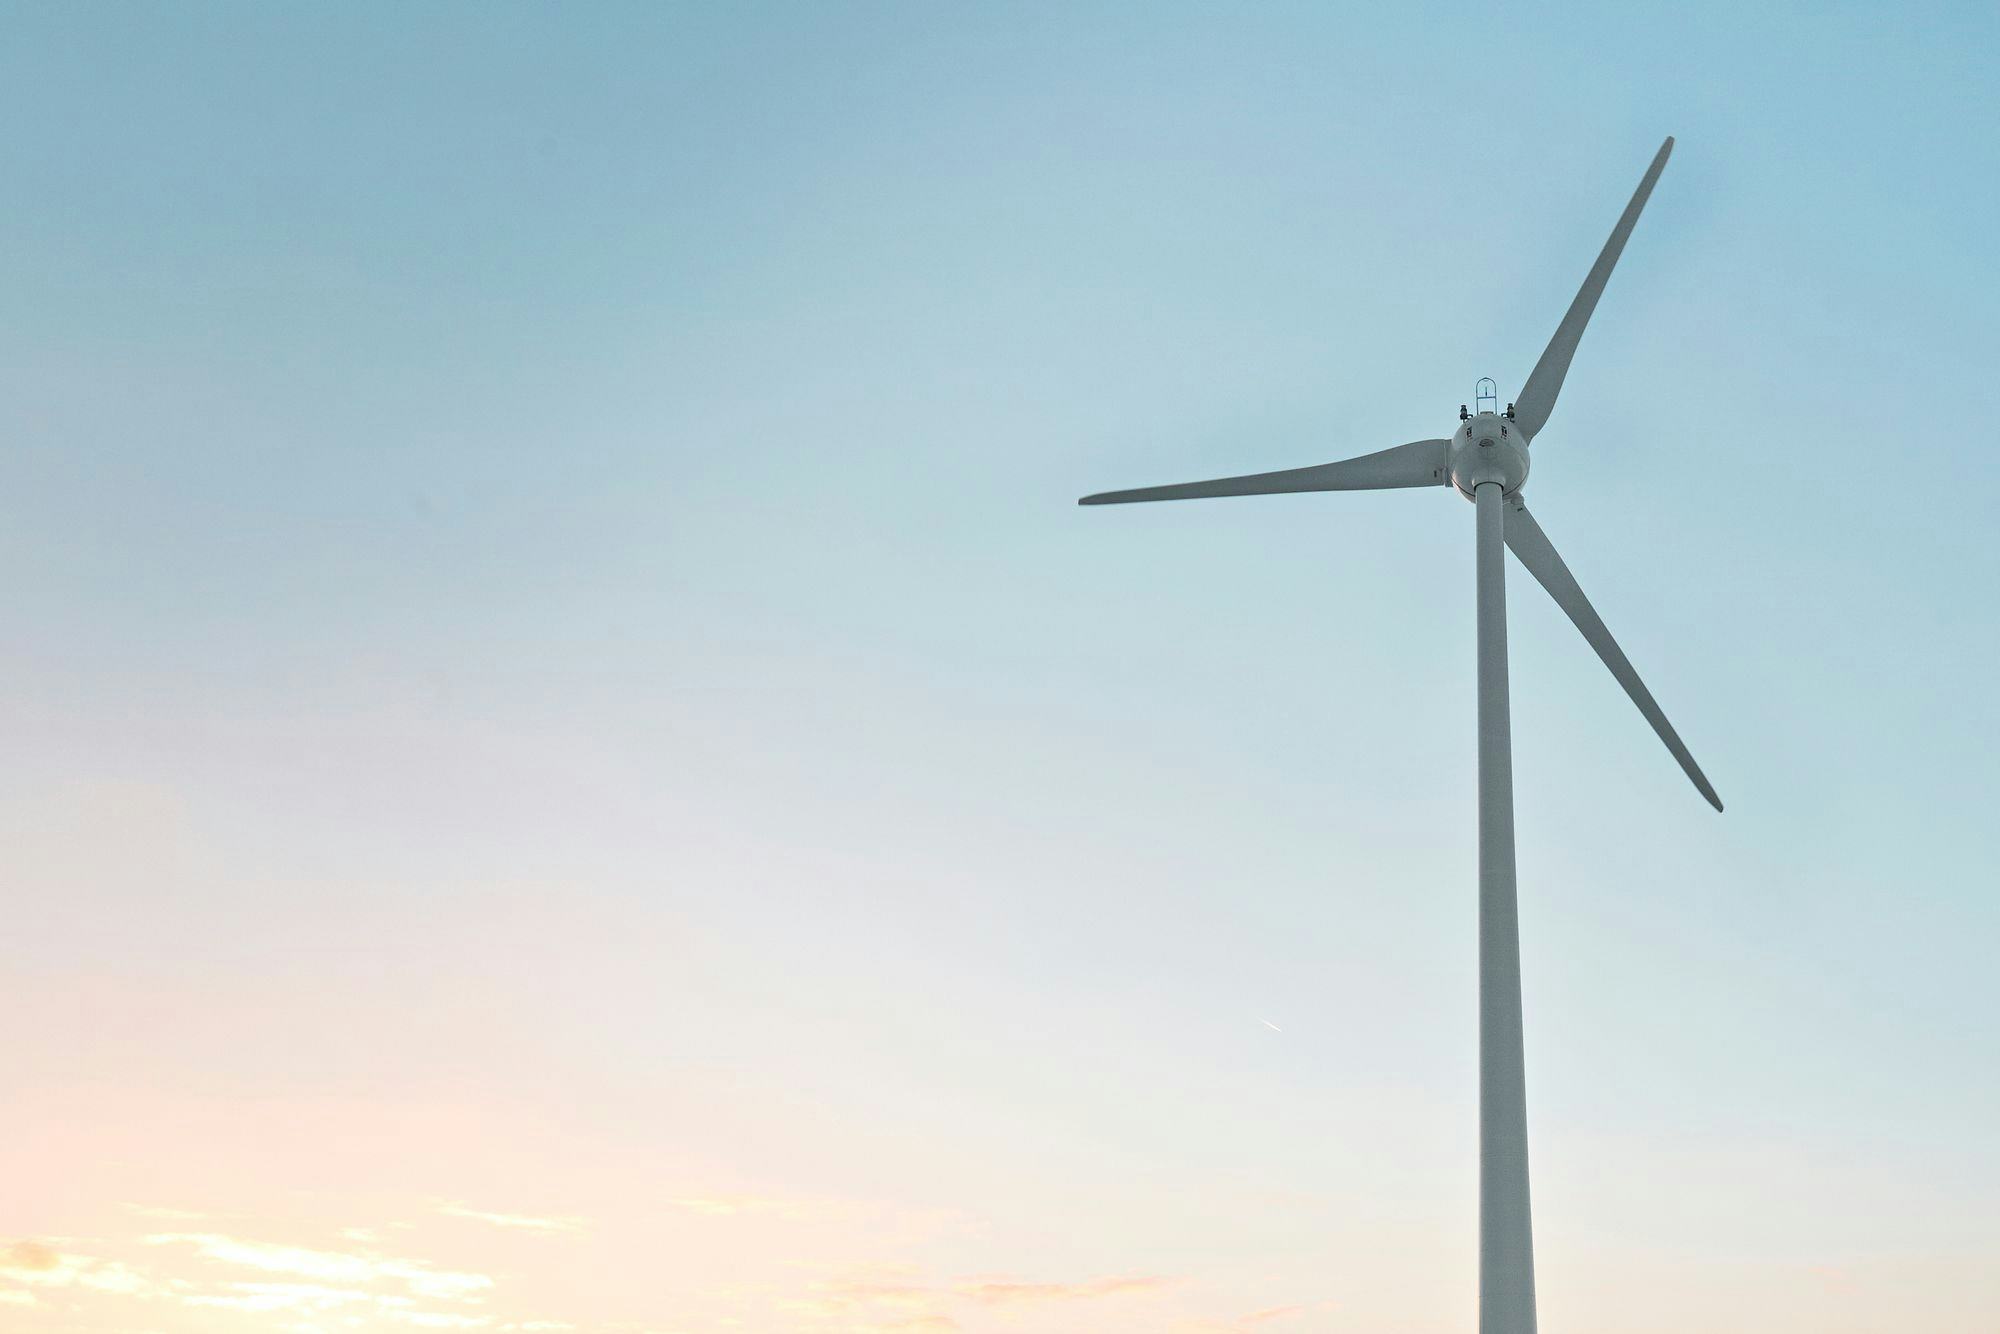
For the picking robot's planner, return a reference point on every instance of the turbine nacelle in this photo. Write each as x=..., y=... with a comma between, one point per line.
x=1488, y=447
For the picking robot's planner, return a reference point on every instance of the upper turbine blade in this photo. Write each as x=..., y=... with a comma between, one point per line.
x=1420, y=463
x=1534, y=550
x=1538, y=397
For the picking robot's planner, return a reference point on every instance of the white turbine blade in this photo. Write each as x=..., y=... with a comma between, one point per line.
x=1531, y=546
x=1420, y=463
x=1538, y=397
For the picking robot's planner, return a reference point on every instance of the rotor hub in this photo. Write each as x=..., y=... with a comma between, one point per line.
x=1488, y=448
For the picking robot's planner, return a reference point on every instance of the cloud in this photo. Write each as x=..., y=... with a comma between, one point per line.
x=889, y=1222
x=1253, y=1320
x=39, y=1265
x=28, y=1257
x=851, y=1293
x=520, y=1222
x=880, y=1299
x=165, y=1214
x=372, y=1235
x=997, y=1291
x=725, y=1206
x=330, y=1266
x=311, y=1299
x=214, y=1277
x=287, y=1297
x=301, y=1288
x=897, y=1301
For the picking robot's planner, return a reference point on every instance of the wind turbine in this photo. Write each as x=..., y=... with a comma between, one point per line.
x=1486, y=459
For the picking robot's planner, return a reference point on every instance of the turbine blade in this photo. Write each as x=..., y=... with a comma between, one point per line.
x=1419, y=463
x=1538, y=396
x=1531, y=546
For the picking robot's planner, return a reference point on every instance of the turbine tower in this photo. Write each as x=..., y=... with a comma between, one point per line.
x=1486, y=459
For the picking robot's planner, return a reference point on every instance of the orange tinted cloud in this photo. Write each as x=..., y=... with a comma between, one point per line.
x=38, y=1265
x=30, y=1257
x=329, y=1266
x=993, y=1292
x=519, y=1222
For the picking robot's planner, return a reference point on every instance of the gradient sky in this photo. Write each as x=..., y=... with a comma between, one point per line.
x=572, y=765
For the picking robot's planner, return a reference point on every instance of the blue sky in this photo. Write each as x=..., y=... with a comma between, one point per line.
x=542, y=574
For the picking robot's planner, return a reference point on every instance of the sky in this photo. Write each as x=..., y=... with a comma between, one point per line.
x=571, y=763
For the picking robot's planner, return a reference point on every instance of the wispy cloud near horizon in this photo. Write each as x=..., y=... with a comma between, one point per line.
x=420, y=1278
x=246, y=1276
x=514, y=1222
x=995, y=1292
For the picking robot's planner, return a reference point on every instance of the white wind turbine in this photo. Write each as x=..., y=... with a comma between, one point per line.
x=1487, y=460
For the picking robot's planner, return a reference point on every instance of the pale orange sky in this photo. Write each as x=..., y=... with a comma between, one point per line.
x=580, y=1237
x=157, y=1209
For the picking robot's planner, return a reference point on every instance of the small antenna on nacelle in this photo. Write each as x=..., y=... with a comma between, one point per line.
x=1486, y=396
